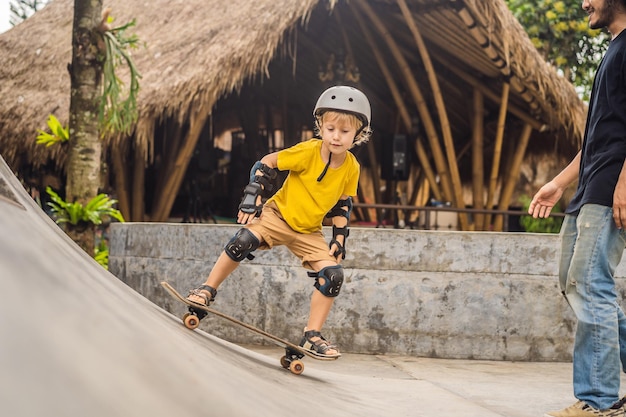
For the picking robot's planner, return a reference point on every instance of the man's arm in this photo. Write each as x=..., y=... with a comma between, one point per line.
x=619, y=200
x=548, y=195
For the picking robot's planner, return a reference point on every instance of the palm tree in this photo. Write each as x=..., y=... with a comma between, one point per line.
x=84, y=160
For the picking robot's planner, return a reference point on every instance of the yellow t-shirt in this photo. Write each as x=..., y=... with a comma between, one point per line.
x=302, y=200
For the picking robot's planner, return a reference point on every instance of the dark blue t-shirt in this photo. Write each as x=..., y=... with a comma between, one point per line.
x=604, y=144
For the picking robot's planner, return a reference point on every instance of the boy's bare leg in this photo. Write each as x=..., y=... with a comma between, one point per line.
x=223, y=267
x=320, y=308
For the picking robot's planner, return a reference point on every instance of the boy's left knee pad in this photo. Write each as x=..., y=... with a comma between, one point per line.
x=328, y=280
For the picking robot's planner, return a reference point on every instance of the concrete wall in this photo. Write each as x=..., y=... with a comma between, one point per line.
x=424, y=293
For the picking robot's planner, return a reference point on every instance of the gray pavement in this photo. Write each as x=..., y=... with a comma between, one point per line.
x=449, y=387
x=76, y=341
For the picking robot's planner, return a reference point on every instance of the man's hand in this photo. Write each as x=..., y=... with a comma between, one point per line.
x=545, y=199
x=619, y=202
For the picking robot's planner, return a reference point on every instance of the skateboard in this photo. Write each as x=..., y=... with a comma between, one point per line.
x=293, y=353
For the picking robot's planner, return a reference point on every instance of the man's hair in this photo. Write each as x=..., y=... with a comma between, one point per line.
x=616, y=5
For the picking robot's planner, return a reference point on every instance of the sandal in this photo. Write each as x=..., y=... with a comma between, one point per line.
x=318, y=347
x=201, y=292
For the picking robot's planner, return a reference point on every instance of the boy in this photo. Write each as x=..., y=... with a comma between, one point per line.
x=323, y=177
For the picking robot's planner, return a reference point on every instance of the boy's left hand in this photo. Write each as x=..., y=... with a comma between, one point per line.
x=335, y=253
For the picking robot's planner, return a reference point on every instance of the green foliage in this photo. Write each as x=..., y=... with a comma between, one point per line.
x=118, y=105
x=560, y=32
x=102, y=255
x=96, y=209
x=548, y=225
x=59, y=134
x=118, y=108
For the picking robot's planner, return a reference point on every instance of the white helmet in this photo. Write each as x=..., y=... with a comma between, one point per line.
x=344, y=98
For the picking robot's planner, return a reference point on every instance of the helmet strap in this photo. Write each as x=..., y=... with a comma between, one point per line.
x=330, y=155
x=359, y=130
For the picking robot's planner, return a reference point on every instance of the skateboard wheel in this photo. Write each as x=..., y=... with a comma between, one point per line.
x=191, y=322
x=284, y=362
x=296, y=367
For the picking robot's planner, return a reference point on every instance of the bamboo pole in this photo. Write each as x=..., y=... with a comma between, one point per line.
x=497, y=152
x=170, y=189
x=415, y=91
x=370, y=145
x=478, y=171
x=428, y=171
x=482, y=37
x=172, y=139
x=121, y=186
x=139, y=188
x=401, y=106
x=364, y=213
x=513, y=174
x=371, y=152
x=477, y=32
x=514, y=110
x=457, y=186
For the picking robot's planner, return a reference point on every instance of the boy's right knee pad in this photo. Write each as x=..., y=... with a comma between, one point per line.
x=241, y=245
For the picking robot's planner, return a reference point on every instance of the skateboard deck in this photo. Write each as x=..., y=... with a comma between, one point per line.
x=293, y=353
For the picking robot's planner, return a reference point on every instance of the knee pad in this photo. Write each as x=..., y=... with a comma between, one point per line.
x=241, y=245
x=328, y=280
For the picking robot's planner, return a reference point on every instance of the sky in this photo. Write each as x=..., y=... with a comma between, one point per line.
x=5, y=13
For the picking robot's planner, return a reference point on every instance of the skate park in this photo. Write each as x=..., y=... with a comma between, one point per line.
x=77, y=340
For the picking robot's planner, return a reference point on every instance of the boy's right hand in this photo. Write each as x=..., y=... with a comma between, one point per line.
x=544, y=200
x=245, y=218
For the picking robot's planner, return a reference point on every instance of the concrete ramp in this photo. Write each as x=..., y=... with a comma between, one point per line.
x=75, y=341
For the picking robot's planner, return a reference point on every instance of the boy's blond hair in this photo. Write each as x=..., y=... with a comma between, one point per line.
x=363, y=131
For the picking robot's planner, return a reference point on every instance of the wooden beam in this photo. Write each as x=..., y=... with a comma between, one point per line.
x=400, y=105
x=121, y=186
x=371, y=152
x=364, y=213
x=483, y=39
x=420, y=102
x=513, y=175
x=172, y=183
x=139, y=188
x=497, y=151
x=428, y=171
x=474, y=82
x=171, y=138
x=478, y=168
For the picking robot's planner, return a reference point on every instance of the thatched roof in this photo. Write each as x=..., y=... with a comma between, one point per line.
x=198, y=51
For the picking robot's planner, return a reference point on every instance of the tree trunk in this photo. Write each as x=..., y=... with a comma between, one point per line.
x=83, y=169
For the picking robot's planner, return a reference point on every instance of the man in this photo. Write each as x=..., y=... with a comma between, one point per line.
x=593, y=235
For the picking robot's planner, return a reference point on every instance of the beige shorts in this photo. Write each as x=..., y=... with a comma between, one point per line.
x=308, y=247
